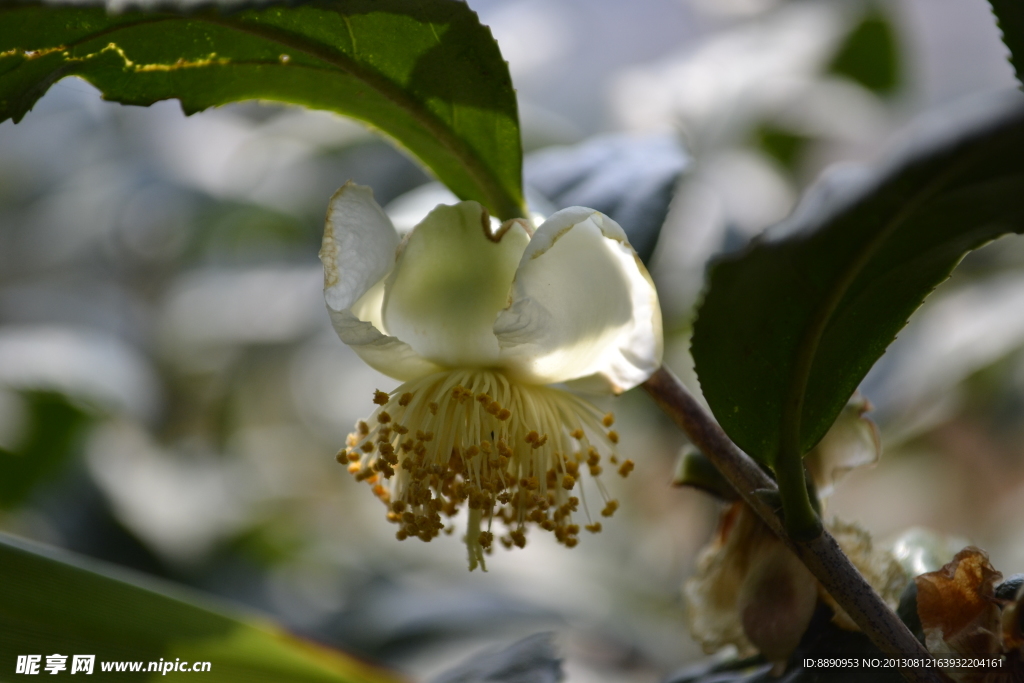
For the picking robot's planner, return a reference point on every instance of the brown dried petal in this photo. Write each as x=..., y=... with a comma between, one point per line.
x=776, y=601
x=749, y=590
x=957, y=605
x=711, y=593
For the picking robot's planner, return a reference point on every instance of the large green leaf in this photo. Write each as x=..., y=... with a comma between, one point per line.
x=54, y=603
x=426, y=72
x=790, y=326
x=870, y=54
x=1010, y=17
x=51, y=437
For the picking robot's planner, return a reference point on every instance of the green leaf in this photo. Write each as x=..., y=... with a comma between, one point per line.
x=870, y=55
x=789, y=327
x=1010, y=18
x=51, y=436
x=786, y=147
x=52, y=602
x=426, y=72
x=695, y=470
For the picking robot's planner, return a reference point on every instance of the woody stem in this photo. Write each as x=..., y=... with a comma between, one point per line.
x=821, y=554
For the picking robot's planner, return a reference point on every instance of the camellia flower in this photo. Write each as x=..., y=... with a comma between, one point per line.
x=477, y=323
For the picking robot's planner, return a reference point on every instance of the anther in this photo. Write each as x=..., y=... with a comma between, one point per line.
x=608, y=420
x=613, y=436
x=380, y=397
x=406, y=399
x=383, y=417
x=593, y=528
x=568, y=482
x=626, y=468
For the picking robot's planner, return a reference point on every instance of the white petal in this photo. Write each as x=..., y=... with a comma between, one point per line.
x=451, y=279
x=853, y=440
x=358, y=253
x=582, y=308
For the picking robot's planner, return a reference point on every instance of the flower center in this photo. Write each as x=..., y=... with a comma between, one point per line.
x=512, y=453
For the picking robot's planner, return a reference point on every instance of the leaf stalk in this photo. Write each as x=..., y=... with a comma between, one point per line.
x=821, y=554
x=798, y=515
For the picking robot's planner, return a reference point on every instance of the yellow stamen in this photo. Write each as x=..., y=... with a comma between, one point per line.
x=509, y=453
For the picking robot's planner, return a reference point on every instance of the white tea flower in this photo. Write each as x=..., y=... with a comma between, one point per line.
x=478, y=323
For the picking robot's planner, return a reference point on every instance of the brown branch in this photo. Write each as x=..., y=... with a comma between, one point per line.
x=822, y=555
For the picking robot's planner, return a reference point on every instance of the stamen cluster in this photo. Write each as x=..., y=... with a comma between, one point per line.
x=509, y=452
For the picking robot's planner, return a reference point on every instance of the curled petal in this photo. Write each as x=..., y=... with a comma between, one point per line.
x=776, y=600
x=582, y=307
x=957, y=606
x=713, y=590
x=853, y=441
x=451, y=279
x=358, y=253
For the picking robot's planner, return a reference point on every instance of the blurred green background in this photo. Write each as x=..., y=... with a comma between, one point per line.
x=172, y=394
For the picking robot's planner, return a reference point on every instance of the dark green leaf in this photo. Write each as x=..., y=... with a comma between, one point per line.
x=533, y=659
x=52, y=602
x=790, y=326
x=425, y=72
x=1010, y=588
x=696, y=471
x=822, y=640
x=49, y=439
x=907, y=610
x=870, y=55
x=1010, y=17
x=782, y=145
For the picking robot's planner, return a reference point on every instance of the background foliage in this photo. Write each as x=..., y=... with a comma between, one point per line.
x=159, y=299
